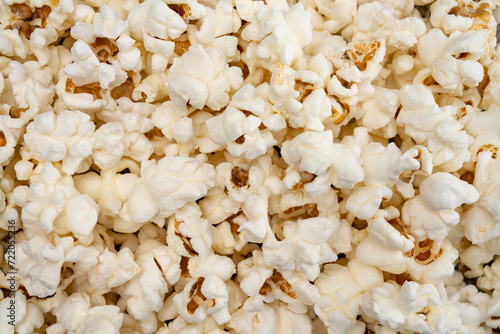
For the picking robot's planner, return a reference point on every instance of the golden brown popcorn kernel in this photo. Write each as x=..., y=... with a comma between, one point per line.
x=239, y=177
x=304, y=88
x=3, y=141
x=489, y=147
x=182, y=9
x=105, y=50
x=282, y=283
x=125, y=89
x=92, y=88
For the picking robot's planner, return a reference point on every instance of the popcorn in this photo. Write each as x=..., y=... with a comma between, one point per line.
x=248, y=166
x=278, y=32
x=432, y=213
x=240, y=133
x=32, y=88
x=146, y=290
x=427, y=123
x=413, y=307
x=174, y=181
x=52, y=203
x=203, y=296
x=455, y=62
x=339, y=307
x=302, y=243
x=192, y=84
x=77, y=316
x=43, y=261
x=65, y=138
x=114, y=269
x=484, y=229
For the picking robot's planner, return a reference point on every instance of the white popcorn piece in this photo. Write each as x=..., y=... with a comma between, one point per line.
x=174, y=181
x=77, y=316
x=432, y=213
x=304, y=248
x=11, y=320
x=377, y=20
x=32, y=88
x=241, y=134
x=312, y=150
x=52, y=203
x=113, y=269
x=220, y=21
x=387, y=245
x=66, y=137
x=479, y=230
x=436, y=127
x=203, y=296
x=278, y=33
x=341, y=289
x=10, y=132
x=108, y=147
x=147, y=289
x=413, y=307
x=108, y=24
x=358, y=62
x=301, y=96
x=332, y=11
x=455, y=62
x=432, y=262
x=188, y=233
x=43, y=261
x=451, y=16
x=202, y=77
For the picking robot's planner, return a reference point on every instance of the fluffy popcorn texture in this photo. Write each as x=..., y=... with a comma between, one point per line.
x=174, y=181
x=279, y=166
x=52, y=203
x=32, y=88
x=455, y=61
x=77, y=316
x=202, y=77
x=400, y=308
x=42, y=262
x=432, y=213
x=66, y=137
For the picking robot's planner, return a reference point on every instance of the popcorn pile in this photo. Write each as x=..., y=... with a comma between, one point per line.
x=238, y=166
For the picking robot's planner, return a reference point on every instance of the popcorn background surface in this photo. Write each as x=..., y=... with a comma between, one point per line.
x=238, y=166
